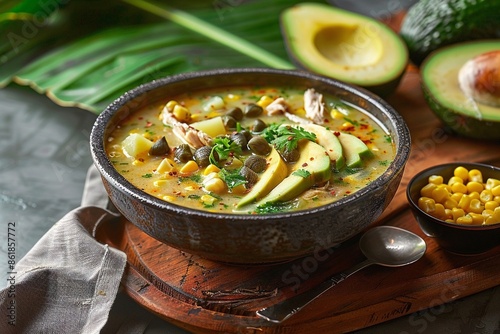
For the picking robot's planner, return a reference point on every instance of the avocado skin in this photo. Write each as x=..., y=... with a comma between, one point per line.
x=431, y=24
x=460, y=123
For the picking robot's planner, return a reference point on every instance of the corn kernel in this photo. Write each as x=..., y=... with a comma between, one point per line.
x=427, y=204
x=476, y=206
x=458, y=187
x=448, y=214
x=450, y=203
x=436, y=179
x=456, y=196
x=181, y=113
x=439, y=211
x=474, y=195
x=477, y=218
x=189, y=168
x=232, y=97
x=473, y=186
x=170, y=105
x=346, y=126
x=491, y=205
x=137, y=162
x=336, y=114
x=208, y=200
x=427, y=190
x=440, y=194
x=239, y=189
x=455, y=179
x=457, y=213
x=486, y=196
x=214, y=185
x=211, y=169
x=169, y=198
x=475, y=176
x=159, y=183
x=264, y=101
x=491, y=183
x=495, y=191
x=464, y=220
x=462, y=173
x=464, y=202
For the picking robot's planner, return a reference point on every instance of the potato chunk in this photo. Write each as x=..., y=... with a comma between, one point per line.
x=135, y=144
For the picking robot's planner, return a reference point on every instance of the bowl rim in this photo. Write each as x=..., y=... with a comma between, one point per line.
x=109, y=172
x=418, y=176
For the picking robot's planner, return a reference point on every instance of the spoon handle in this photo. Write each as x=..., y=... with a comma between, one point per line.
x=283, y=310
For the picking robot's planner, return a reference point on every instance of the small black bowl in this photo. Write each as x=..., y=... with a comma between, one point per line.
x=455, y=238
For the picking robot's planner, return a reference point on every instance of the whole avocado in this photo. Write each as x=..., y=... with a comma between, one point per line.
x=431, y=24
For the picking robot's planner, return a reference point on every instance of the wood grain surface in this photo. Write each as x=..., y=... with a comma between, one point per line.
x=209, y=297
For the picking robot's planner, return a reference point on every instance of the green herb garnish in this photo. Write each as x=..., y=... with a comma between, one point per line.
x=223, y=147
x=147, y=176
x=302, y=173
x=275, y=207
x=286, y=138
x=232, y=178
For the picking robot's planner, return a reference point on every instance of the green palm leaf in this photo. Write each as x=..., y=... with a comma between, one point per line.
x=104, y=61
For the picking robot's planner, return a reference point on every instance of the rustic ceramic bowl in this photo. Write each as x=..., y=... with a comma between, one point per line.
x=456, y=238
x=249, y=239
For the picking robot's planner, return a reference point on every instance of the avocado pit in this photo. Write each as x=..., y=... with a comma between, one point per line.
x=479, y=78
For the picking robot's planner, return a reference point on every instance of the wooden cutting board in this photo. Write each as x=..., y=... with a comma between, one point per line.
x=209, y=297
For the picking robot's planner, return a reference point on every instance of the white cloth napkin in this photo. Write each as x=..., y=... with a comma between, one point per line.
x=68, y=281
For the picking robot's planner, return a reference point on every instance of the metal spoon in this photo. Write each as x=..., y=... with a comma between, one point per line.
x=383, y=245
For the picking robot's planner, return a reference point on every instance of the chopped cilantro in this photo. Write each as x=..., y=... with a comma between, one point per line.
x=147, y=176
x=302, y=173
x=223, y=147
x=286, y=138
x=194, y=196
x=353, y=122
x=232, y=178
x=388, y=138
x=274, y=207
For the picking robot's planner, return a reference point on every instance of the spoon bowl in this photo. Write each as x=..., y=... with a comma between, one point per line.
x=391, y=246
x=387, y=246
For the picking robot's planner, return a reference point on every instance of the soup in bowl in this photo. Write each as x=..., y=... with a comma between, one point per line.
x=250, y=165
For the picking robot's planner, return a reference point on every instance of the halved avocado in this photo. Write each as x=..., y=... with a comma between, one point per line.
x=343, y=45
x=440, y=84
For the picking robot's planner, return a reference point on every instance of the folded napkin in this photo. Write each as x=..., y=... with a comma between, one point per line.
x=68, y=281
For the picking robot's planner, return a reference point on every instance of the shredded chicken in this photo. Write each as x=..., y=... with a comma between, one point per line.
x=314, y=106
x=279, y=106
x=189, y=135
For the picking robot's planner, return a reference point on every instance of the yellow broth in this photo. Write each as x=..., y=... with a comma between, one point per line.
x=186, y=188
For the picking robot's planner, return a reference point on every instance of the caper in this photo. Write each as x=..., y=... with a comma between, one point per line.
x=258, y=125
x=183, y=153
x=202, y=156
x=253, y=110
x=250, y=176
x=239, y=138
x=230, y=122
x=248, y=134
x=160, y=147
x=291, y=155
x=259, y=145
x=256, y=163
x=235, y=113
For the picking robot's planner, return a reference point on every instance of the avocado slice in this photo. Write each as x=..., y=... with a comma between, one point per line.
x=275, y=172
x=442, y=91
x=312, y=167
x=343, y=45
x=428, y=26
x=354, y=149
x=329, y=141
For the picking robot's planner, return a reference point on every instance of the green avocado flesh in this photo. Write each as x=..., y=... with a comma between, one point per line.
x=430, y=24
x=344, y=46
x=442, y=91
x=314, y=161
